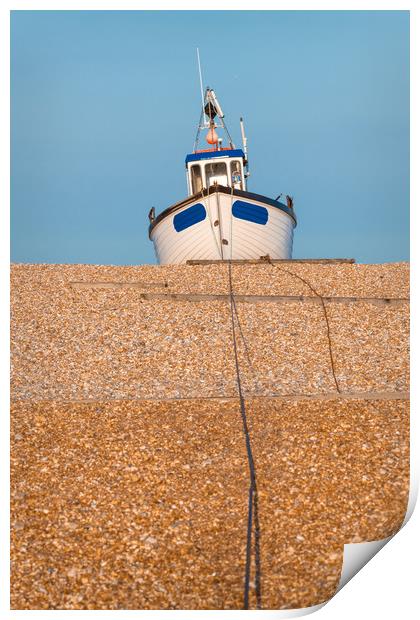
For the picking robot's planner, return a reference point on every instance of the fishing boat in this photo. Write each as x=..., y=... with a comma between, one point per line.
x=220, y=219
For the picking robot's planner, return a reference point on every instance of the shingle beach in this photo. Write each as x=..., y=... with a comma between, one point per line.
x=129, y=472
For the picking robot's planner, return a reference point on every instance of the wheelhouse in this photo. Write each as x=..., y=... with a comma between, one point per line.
x=220, y=218
x=215, y=167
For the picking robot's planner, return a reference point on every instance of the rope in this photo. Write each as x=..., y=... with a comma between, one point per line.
x=208, y=215
x=325, y=315
x=219, y=218
x=253, y=516
x=257, y=382
x=253, y=523
x=231, y=222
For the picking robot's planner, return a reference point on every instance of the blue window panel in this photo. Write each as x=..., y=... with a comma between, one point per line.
x=189, y=217
x=251, y=213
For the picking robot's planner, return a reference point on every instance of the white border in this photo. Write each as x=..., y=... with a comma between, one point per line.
x=387, y=586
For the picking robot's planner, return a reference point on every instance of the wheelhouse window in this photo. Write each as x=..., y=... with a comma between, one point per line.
x=236, y=174
x=216, y=172
x=196, y=179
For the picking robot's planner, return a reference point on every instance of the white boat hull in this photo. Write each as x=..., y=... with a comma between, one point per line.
x=223, y=226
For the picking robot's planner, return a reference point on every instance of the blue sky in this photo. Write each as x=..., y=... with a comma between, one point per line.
x=105, y=105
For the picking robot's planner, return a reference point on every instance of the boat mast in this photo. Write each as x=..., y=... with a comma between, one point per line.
x=211, y=109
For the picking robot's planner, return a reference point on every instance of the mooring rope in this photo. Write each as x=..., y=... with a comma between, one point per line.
x=253, y=524
x=208, y=216
x=257, y=382
x=253, y=516
x=309, y=285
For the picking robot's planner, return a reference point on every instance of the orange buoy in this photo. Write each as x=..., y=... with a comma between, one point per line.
x=212, y=136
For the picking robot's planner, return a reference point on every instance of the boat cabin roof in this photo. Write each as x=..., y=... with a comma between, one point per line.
x=213, y=153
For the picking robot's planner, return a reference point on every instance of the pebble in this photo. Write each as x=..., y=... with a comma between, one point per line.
x=107, y=480
x=78, y=344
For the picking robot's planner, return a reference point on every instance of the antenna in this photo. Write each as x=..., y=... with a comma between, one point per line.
x=201, y=85
x=244, y=139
